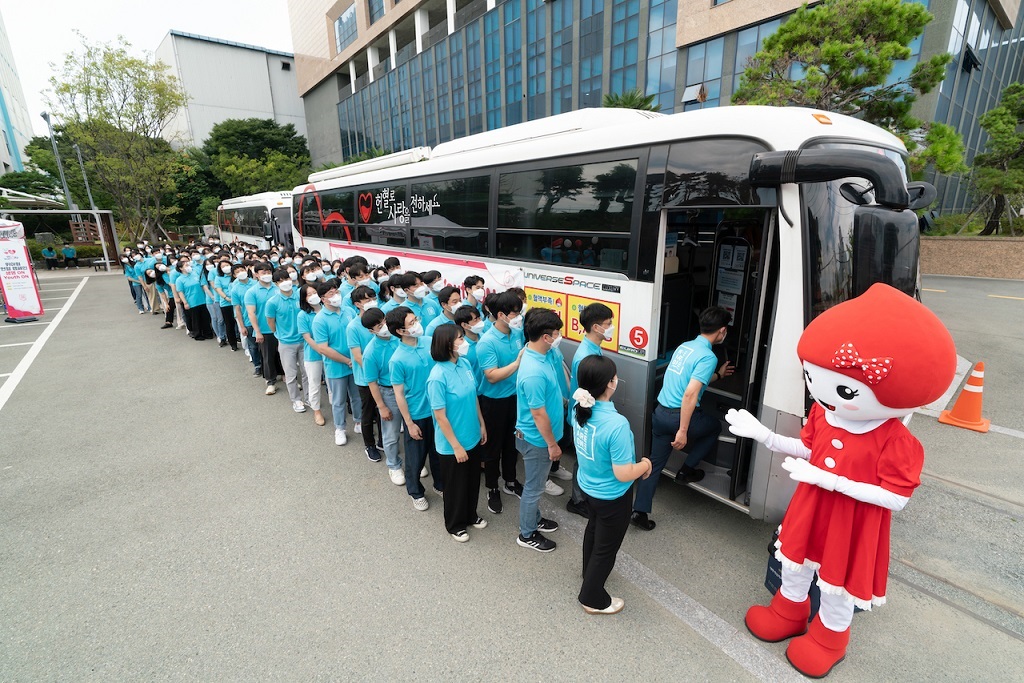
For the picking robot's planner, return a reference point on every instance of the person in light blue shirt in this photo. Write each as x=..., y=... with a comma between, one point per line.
x=540, y=422
x=70, y=255
x=410, y=367
x=498, y=354
x=239, y=287
x=678, y=422
x=329, y=332
x=137, y=277
x=256, y=299
x=377, y=373
x=608, y=467
x=597, y=321
x=450, y=301
x=190, y=292
x=50, y=254
x=283, y=318
x=458, y=430
x=312, y=360
x=222, y=289
x=163, y=288
x=417, y=298
x=468, y=320
x=358, y=338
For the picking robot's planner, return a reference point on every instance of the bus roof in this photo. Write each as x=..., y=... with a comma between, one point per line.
x=261, y=199
x=596, y=130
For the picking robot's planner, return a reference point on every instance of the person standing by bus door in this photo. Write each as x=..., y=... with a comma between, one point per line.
x=606, y=451
x=678, y=421
x=499, y=353
x=540, y=422
x=598, y=323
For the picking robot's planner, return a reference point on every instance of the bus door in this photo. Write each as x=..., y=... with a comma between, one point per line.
x=717, y=256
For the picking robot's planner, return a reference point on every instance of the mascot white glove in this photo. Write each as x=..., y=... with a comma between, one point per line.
x=742, y=423
x=803, y=471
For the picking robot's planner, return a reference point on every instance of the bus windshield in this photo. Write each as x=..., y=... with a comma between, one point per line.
x=844, y=250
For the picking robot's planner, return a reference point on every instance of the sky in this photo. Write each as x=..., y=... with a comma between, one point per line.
x=42, y=31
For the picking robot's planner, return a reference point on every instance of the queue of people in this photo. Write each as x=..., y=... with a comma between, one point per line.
x=469, y=381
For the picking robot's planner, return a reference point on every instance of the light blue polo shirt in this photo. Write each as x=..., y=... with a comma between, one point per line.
x=604, y=441
x=224, y=282
x=426, y=310
x=257, y=296
x=478, y=376
x=436, y=323
x=692, y=360
x=357, y=335
x=191, y=289
x=238, y=290
x=410, y=367
x=391, y=304
x=450, y=386
x=284, y=310
x=496, y=350
x=377, y=360
x=538, y=385
x=329, y=328
x=586, y=348
x=305, y=322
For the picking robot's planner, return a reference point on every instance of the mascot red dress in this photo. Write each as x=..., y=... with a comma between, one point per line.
x=867, y=362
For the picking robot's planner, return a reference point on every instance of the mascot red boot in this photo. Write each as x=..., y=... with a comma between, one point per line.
x=867, y=362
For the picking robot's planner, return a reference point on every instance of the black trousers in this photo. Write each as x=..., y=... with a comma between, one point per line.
x=271, y=361
x=51, y=263
x=369, y=418
x=197, y=318
x=609, y=520
x=228, y=313
x=500, y=421
x=461, y=490
x=169, y=318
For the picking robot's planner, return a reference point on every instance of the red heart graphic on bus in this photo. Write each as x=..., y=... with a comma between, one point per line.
x=365, y=206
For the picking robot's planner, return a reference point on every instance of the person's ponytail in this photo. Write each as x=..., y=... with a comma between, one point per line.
x=593, y=376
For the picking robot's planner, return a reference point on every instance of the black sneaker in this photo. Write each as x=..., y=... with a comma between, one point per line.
x=536, y=542
x=372, y=454
x=257, y=372
x=640, y=519
x=687, y=475
x=547, y=525
x=581, y=508
x=494, y=501
x=513, y=488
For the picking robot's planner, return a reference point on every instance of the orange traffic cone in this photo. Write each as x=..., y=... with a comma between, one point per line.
x=966, y=411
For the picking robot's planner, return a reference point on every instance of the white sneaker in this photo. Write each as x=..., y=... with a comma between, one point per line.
x=562, y=473
x=358, y=428
x=298, y=406
x=397, y=477
x=424, y=472
x=271, y=390
x=248, y=355
x=553, y=489
x=340, y=437
x=420, y=504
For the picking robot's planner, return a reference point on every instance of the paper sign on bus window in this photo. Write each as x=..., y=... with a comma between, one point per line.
x=725, y=256
x=574, y=330
x=730, y=281
x=728, y=302
x=739, y=257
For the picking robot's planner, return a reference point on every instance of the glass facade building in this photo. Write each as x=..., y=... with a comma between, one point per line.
x=501, y=63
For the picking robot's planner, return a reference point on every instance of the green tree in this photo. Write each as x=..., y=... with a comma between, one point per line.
x=999, y=171
x=31, y=182
x=846, y=51
x=246, y=156
x=117, y=106
x=274, y=172
x=631, y=99
x=253, y=138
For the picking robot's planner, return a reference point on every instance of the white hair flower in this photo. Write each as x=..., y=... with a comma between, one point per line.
x=583, y=398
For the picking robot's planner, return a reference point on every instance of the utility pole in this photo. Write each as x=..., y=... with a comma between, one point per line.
x=92, y=204
x=60, y=167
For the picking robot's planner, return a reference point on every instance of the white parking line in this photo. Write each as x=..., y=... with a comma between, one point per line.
x=7, y=346
x=14, y=326
x=5, y=374
x=19, y=372
x=54, y=298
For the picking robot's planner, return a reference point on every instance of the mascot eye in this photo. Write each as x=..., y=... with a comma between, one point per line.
x=846, y=393
x=808, y=376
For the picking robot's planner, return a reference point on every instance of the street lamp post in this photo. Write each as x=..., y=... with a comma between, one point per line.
x=92, y=204
x=60, y=166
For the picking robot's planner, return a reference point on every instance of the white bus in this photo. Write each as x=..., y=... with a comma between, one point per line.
x=262, y=219
x=773, y=213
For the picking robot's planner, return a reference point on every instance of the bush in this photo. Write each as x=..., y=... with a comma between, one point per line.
x=86, y=251
x=951, y=223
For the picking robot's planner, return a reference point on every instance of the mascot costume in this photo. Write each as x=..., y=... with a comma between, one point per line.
x=867, y=362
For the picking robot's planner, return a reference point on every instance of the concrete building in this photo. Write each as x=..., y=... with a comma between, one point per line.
x=381, y=73
x=15, y=126
x=226, y=80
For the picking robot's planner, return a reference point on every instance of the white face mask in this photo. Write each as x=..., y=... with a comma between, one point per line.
x=309, y=277
x=456, y=306
x=285, y=261
x=161, y=267
x=516, y=323
x=396, y=271
x=243, y=276
x=421, y=292
x=384, y=332
x=557, y=341
x=399, y=293
x=285, y=286
x=367, y=305
x=294, y=276
x=210, y=267
x=462, y=349
x=416, y=330
x=187, y=270
x=438, y=285
x=478, y=293
x=334, y=301
x=526, y=307
x=477, y=327
x=313, y=299
x=609, y=333
x=137, y=258
x=266, y=278
x=318, y=274
x=226, y=270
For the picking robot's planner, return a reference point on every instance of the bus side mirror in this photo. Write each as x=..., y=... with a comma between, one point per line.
x=886, y=248
x=921, y=195
x=268, y=231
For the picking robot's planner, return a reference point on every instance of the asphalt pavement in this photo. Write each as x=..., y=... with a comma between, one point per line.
x=164, y=520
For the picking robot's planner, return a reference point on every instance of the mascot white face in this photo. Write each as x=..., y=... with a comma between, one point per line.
x=845, y=397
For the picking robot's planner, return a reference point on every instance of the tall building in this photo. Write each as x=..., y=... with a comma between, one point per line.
x=226, y=80
x=15, y=125
x=395, y=75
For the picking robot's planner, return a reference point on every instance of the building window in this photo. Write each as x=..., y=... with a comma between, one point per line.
x=376, y=10
x=536, y=59
x=662, y=54
x=286, y=66
x=474, y=78
x=591, y=65
x=492, y=66
x=703, y=75
x=513, y=63
x=345, y=29
x=458, y=71
x=561, y=57
x=625, y=44
x=748, y=43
